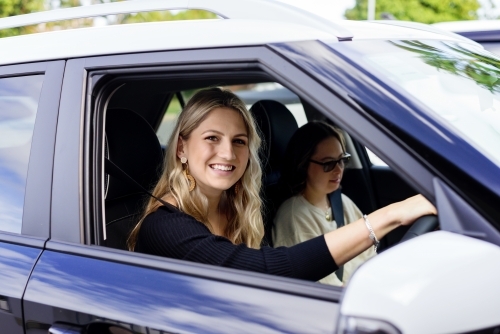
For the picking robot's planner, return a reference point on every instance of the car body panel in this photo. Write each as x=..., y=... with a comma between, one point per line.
x=36, y=213
x=426, y=27
x=444, y=267
x=363, y=30
x=177, y=35
x=160, y=36
x=16, y=263
x=66, y=288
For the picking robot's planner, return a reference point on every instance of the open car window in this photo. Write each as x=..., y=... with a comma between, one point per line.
x=141, y=112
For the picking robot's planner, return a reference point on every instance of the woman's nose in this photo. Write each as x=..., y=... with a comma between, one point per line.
x=338, y=169
x=226, y=150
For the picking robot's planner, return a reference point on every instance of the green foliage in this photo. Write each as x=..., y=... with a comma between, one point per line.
x=425, y=11
x=148, y=16
x=166, y=16
x=18, y=7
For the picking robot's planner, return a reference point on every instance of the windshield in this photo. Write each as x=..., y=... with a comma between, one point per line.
x=458, y=82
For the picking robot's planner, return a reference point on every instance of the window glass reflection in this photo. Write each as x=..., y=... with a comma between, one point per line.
x=459, y=82
x=18, y=105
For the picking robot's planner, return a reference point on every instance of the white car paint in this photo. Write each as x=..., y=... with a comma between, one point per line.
x=429, y=285
x=248, y=25
x=154, y=36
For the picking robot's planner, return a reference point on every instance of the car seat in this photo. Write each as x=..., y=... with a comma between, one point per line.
x=277, y=125
x=132, y=147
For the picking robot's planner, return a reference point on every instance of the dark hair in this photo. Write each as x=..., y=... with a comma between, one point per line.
x=299, y=151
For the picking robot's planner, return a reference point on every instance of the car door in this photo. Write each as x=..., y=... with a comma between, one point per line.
x=29, y=98
x=419, y=286
x=77, y=283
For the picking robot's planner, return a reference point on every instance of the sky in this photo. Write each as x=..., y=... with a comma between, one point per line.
x=334, y=9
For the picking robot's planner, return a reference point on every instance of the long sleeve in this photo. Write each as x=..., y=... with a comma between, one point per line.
x=177, y=235
x=297, y=221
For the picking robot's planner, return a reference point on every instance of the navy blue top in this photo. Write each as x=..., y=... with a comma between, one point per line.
x=172, y=233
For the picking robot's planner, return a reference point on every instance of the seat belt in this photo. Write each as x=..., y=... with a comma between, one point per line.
x=112, y=169
x=335, y=199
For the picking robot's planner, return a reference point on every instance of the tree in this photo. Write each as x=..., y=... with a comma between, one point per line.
x=425, y=11
x=146, y=16
x=18, y=7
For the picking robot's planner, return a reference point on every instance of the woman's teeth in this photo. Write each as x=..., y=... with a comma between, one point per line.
x=222, y=167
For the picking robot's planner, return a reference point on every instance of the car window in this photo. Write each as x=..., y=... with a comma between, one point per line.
x=168, y=121
x=458, y=82
x=374, y=159
x=18, y=106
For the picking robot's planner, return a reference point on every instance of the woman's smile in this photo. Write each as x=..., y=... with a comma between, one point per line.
x=220, y=167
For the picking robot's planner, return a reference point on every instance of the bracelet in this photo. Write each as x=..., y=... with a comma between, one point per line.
x=372, y=235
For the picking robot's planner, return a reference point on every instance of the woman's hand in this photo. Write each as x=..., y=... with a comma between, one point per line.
x=350, y=240
x=409, y=210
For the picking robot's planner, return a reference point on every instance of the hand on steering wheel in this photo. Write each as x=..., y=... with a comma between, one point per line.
x=422, y=225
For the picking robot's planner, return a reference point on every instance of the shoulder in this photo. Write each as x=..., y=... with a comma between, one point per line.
x=287, y=208
x=163, y=231
x=169, y=218
x=288, y=203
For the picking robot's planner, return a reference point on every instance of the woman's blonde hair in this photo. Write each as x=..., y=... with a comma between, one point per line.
x=242, y=207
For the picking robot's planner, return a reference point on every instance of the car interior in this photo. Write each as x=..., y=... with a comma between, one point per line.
x=134, y=114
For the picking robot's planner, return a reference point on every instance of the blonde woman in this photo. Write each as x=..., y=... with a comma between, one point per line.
x=210, y=209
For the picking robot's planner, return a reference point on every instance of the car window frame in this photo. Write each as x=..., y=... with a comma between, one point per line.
x=74, y=199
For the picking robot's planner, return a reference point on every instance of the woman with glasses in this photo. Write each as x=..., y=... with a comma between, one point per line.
x=313, y=167
x=206, y=206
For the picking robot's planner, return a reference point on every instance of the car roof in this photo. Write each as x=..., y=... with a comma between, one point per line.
x=152, y=36
x=244, y=23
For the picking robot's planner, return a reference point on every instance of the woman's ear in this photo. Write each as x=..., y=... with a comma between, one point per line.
x=180, y=148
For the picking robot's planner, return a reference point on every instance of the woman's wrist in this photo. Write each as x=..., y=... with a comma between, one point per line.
x=384, y=220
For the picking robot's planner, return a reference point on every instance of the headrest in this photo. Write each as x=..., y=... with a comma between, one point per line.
x=277, y=125
x=132, y=145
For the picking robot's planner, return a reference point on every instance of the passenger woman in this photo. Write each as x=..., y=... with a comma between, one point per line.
x=208, y=210
x=314, y=164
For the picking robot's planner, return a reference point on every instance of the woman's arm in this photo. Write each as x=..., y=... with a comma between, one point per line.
x=348, y=241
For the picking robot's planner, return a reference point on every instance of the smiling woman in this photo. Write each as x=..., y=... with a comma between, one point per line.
x=214, y=133
x=206, y=206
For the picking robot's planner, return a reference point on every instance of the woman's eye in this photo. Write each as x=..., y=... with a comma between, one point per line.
x=212, y=138
x=240, y=142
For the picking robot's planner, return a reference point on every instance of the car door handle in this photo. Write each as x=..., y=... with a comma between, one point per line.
x=62, y=328
x=93, y=328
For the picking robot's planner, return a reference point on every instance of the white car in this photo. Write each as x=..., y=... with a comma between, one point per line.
x=425, y=103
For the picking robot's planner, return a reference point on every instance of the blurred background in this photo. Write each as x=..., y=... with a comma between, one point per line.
x=425, y=11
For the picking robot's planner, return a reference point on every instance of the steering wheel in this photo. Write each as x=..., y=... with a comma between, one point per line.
x=422, y=225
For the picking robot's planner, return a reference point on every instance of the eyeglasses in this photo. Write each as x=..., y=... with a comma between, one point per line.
x=330, y=165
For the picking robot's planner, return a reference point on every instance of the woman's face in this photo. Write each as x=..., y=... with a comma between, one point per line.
x=317, y=180
x=217, y=151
